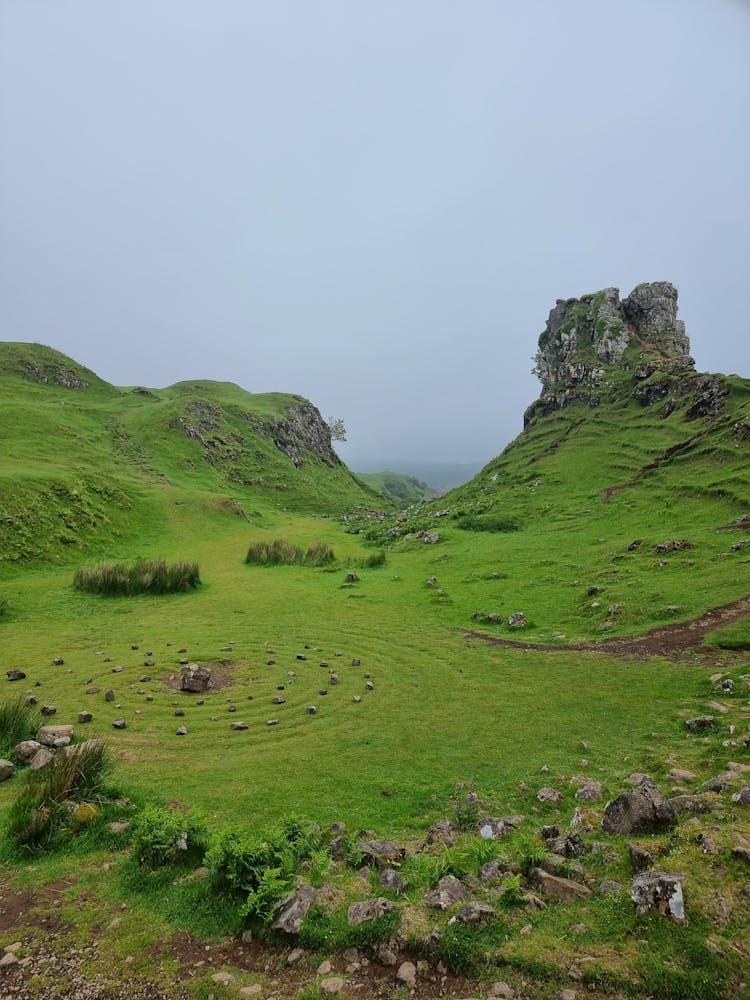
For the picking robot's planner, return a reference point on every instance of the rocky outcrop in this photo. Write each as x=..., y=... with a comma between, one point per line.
x=304, y=430
x=599, y=344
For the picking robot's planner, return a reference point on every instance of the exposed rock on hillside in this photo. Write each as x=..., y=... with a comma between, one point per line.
x=303, y=430
x=592, y=343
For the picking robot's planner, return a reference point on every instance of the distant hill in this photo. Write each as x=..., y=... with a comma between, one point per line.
x=439, y=476
x=78, y=455
x=398, y=489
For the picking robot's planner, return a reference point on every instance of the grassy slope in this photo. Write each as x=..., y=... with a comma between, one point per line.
x=444, y=709
x=97, y=466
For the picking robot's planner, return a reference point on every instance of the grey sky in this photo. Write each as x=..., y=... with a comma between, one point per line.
x=373, y=203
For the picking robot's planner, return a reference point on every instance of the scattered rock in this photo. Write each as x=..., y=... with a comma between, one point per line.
x=109, y=695
x=7, y=768
x=699, y=723
x=41, y=759
x=390, y=879
x=590, y=791
x=15, y=675
x=659, y=890
x=85, y=716
x=385, y=853
x=238, y=725
x=290, y=912
x=743, y=796
x=642, y=810
x=368, y=909
x=474, y=913
x=547, y=794
x=119, y=724
x=448, y=892
x=560, y=888
x=640, y=858
x=407, y=975
x=517, y=620
x=332, y=985
x=608, y=885
x=26, y=750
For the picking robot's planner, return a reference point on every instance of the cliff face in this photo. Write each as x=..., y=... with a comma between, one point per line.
x=594, y=343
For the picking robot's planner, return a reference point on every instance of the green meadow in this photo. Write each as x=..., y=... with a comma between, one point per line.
x=410, y=712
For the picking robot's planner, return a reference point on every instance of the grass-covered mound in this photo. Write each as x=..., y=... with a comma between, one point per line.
x=144, y=576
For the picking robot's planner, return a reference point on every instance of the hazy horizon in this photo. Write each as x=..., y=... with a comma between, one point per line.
x=374, y=206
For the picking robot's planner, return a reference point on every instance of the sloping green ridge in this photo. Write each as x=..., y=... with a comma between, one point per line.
x=84, y=463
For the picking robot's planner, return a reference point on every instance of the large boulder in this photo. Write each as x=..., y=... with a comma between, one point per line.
x=291, y=911
x=642, y=810
x=195, y=679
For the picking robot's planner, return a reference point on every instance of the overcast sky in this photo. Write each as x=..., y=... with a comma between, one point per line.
x=372, y=203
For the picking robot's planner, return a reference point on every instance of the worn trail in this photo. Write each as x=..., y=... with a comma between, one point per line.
x=665, y=640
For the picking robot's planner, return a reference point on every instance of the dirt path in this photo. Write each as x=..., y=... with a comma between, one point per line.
x=666, y=640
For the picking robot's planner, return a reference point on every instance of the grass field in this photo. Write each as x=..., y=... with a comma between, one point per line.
x=437, y=710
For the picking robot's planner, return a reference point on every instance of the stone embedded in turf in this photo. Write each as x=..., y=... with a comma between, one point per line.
x=547, y=794
x=368, y=909
x=7, y=768
x=292, y=910
x=120, y=724
x=195, y=678
x=233, y=725
x=182, y=731
x=449, y=891
x=85, y=716
x=661, y=891
x=474, y=913
x=391, y=880
x=109, y=695
x=699, y=723
x=560, y=888
x=442, y=832
x=15, y=675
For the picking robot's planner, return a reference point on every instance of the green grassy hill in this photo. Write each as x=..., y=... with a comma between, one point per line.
x=398, y=489
x=84, y=463
x=413, y=716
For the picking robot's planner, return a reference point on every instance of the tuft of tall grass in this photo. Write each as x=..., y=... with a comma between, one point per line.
x=3, y=605
x=488, y=522
x=18, y=721
x=282, y=553
x=48, y=797
x=145, y=576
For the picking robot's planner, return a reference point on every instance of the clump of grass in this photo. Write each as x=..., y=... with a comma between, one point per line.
x=145, y=576
x=488, y=522
x=3, y=605
x=18, y=721
x=282, y=553
x=47, y=800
